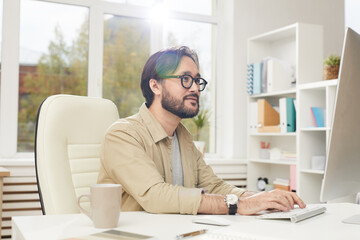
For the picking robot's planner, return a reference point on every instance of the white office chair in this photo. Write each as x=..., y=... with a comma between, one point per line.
x=69, y=132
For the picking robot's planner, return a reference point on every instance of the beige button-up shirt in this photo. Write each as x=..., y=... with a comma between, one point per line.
x=136, y=153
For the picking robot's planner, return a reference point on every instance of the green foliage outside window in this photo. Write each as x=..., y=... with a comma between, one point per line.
x=64, y=69
x=126, y=49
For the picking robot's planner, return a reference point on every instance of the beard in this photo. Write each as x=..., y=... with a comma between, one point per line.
x=177, y=106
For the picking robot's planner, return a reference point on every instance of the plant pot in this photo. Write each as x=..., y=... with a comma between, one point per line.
x=200, y=145
x=330, y=72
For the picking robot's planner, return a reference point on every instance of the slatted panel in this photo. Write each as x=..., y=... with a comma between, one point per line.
x=20, y=196
x=233, y=172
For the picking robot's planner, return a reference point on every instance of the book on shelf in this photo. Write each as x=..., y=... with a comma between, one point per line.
x=287, y=115
x=257, y=78
x=269, y=75
x=268, y=117
x=288, y=155
x=318, y=116
x=250, y=79
x=293, y=178
x=253, y=117
x=283, y=181
x=282, y=184
x=264, y=73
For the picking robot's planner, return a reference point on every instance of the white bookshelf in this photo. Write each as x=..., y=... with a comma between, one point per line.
x=301, y=45
x=313, y=141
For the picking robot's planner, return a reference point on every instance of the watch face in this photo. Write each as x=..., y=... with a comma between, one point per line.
x=232, y=199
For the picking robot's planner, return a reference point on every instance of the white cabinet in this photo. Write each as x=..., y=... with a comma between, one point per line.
x=301, y=46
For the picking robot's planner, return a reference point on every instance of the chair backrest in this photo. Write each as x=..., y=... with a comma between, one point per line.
x=69, y=132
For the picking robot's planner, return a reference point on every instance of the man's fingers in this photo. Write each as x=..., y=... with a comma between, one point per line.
x=276, y=199
x=277, y=206
x=290, y=199
x=298, y=200
x=280, y=198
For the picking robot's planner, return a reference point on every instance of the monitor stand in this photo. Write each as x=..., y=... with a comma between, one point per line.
x=355, y=219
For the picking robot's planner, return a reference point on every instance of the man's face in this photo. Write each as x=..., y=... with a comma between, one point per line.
x=182, y=102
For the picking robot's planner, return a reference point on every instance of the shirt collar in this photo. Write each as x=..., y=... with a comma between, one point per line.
x=157, y=132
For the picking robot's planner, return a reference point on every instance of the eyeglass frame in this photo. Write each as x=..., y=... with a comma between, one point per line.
x=192, y=80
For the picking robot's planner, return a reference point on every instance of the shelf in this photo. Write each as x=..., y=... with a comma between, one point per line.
x=275, y=94
x=278, y=34
x=314, y=129
x=274, y=134
x=292, y=44
x=273, y=161
x=312, y=171
x=319, y=84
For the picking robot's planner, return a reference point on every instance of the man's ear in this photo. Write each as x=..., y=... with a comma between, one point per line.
x=155, y=86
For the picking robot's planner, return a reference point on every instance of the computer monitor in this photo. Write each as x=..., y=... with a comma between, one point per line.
x=342, y=172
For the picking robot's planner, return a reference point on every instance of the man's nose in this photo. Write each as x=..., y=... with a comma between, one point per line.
x=194, y=87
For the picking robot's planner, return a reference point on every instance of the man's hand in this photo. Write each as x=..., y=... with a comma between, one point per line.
x=276, y=199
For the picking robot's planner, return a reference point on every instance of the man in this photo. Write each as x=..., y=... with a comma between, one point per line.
x=152, y=155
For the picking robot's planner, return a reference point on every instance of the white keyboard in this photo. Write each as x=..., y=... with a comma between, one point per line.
x=296, y=214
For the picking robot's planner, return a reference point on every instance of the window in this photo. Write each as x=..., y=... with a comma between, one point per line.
x=95, y=48
x=53, y=59
x=126, y=49
x=205, y=7
x=145, y=3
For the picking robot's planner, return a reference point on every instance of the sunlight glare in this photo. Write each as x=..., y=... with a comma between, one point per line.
x=159, y=13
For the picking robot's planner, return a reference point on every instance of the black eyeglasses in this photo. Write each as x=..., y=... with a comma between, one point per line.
x=187, y=81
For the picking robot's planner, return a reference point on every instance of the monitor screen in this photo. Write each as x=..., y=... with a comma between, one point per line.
x=342, y=172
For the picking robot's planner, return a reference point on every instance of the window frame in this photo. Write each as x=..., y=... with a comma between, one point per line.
x=97, y=9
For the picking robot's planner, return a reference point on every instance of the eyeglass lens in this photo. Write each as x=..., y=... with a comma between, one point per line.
x=188, y=80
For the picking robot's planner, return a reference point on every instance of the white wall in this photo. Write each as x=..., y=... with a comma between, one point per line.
x=352, y=16
x=257, y=16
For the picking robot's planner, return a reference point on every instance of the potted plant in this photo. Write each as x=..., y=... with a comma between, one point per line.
x=331, y=67
x=200, y=121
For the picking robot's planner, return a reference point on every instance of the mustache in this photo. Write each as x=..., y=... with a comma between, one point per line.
x=192, y=95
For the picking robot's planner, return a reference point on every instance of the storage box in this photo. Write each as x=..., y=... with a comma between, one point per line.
x=264, y=153
x=282, y=187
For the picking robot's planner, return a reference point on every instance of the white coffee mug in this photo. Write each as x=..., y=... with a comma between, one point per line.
x=105, y=203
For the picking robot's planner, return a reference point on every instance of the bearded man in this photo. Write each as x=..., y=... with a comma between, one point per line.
x=152, y=155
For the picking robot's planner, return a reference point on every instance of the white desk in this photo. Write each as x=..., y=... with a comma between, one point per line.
x=167, y=226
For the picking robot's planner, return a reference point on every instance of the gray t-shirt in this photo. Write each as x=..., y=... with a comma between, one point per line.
x=177, y=169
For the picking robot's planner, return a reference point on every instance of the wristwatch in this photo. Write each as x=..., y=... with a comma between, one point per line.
x=232, y=201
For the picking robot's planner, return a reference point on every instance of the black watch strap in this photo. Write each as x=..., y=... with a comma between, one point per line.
x=232, y=209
